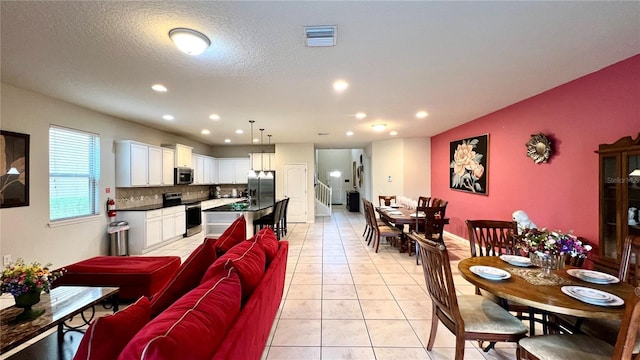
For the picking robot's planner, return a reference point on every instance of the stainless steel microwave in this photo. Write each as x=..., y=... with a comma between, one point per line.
x=183, y=175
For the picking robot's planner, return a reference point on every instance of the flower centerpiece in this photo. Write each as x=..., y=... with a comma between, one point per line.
x=549, y=249
x=25, y=282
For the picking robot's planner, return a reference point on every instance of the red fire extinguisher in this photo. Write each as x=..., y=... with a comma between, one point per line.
x=111, y=207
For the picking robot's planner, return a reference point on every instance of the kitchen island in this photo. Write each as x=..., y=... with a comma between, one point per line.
x=217, y=219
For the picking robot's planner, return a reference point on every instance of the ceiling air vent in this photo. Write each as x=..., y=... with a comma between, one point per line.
x=320, y=35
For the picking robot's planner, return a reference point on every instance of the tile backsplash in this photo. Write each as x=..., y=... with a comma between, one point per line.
x=144, y=196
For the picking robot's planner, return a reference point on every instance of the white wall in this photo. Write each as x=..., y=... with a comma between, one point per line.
x=297, y=154
x=417, y=167
x=24, y=231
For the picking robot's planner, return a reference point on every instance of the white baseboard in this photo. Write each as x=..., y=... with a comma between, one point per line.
x=457, y=237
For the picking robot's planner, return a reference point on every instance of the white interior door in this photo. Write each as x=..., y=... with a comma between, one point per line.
x=335, y=180
x=294, y=186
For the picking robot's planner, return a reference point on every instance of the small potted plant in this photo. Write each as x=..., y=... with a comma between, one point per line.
x=26, y=282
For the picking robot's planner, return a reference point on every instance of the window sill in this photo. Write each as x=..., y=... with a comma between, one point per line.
x=73, y=221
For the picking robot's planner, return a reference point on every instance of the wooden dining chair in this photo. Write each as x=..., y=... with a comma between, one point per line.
x=438, y=202
x=492, y=237
x=431, y=227
x=606, y=329
x=380, y=230
x=423, y=201
x=385, y=200
x=468, y=317
x=585, y=347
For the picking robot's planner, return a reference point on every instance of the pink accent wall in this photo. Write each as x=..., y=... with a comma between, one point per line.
x=563, y=194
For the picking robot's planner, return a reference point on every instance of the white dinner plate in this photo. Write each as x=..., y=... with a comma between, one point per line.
x=516, y=260
x=595, y=277
x=420, y=214
x=394, y=212
x=489, y=272
x=592, y=296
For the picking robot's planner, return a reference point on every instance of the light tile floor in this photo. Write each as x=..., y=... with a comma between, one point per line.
x=344, y=301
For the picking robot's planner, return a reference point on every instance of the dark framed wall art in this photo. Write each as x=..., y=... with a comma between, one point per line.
x=469, y=159
x=14, y=169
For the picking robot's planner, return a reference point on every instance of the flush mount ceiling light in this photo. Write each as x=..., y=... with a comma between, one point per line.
x=189, y=41
x=227, y=140
x=167, y=117
x=159, y=88
x=340, y=85
x=214, y=117
x=422, y=114
x=393, y=133
x=239, y=131
x=205, y=132
x=361, y=115
x=349, y=133
x=379, y=127
x=318, y=36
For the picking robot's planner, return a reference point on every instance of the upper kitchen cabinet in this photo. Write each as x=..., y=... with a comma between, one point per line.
x=183, y=156
x=233, y=171
x=205, y=170
x=139, y=164
x=168, y=163
x=619, y=198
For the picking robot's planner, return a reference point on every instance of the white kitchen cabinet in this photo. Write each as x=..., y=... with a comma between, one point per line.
x=233, y=171
x=261, y=161
x=210, y=170
x=155, y=166
x=168, y=159
x=204, y=170
x=139, y=164
x=183, y=155
x=154, y=228
x=198, y=169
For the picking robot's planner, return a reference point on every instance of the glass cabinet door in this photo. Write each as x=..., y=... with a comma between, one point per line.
x=633, y=193
x=608, y=206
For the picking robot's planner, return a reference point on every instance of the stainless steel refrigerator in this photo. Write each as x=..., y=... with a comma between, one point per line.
x=262, y=191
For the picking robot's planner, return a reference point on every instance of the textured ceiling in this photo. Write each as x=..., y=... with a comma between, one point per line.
x=456, y=60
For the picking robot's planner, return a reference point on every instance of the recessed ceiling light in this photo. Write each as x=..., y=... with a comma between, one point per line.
x=256, y=140
x=239, y=131
x=189, y=41
x=422, y=114
x=379, y=127
x=393, y=133
x=159, y=88
x=361, y=115
x=205, y=132
x=349, y=133
x=227, y=140
x=167, y=117
x=340, y=85
x=214, y=117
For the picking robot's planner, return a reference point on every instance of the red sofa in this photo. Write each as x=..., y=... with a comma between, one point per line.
x=213, y=307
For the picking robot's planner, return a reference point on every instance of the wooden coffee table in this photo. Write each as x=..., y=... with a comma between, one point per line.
x=60, y=305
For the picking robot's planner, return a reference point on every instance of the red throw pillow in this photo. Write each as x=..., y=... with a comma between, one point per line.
x=248, y=259
x=194, y=326
x=233, y=235
x=186, y=278
x=269, y=242
x=108, y=335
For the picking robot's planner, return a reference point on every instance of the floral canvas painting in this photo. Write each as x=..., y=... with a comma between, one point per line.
x=469, y=159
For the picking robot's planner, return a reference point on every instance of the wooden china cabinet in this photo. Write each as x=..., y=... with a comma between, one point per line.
x=619, y=199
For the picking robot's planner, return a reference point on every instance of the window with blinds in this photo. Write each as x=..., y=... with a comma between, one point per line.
x=74, y=174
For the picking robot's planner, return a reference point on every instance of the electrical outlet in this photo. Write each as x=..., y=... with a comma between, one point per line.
x=6, y=260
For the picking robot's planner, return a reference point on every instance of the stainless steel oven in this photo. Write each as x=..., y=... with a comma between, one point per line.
x=194, y=218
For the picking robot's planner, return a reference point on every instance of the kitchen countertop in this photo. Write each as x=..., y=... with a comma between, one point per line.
x=184, y=202
x=231, y=208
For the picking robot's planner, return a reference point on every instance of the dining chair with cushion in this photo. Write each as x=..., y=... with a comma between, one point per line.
x=585, y=347
x=492, y=237
x=430, y=226
x=385, y=200
x=379, y=229
x=606, y=329
x=468, y=317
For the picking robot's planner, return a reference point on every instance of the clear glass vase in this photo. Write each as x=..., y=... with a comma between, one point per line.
x=547, y=262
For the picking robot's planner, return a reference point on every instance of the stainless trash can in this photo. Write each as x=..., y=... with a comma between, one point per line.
x=118, y=238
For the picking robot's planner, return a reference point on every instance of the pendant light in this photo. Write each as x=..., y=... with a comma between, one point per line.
x=269, y=173
x=261, y=174
x=252, y=173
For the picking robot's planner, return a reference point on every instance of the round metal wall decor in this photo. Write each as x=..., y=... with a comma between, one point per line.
x=539, y=148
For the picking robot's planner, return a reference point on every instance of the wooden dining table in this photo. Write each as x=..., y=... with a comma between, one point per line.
x=544, y=297
x=399, y=217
